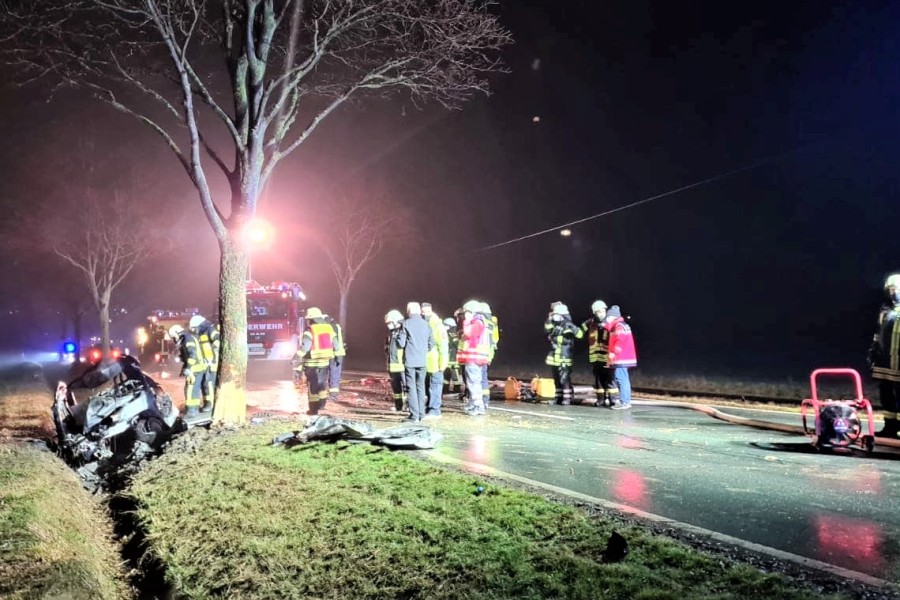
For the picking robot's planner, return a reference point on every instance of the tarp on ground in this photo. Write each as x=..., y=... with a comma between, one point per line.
x=326, y=428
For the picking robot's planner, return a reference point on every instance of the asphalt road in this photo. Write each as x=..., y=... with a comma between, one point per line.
x=765, y=487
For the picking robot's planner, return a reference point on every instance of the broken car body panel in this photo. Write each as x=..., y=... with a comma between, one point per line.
x=110, y=418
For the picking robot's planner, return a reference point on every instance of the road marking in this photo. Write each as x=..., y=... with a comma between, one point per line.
x=630, y=510
x=533, y=414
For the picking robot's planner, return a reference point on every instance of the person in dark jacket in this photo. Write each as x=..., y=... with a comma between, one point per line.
x=193, y=367
x=416, y=340
x=562, y=333
x=394, y=322
x=884, y=357
x=598, y=353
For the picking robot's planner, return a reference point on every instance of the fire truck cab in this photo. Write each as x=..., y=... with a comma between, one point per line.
x=274, y=319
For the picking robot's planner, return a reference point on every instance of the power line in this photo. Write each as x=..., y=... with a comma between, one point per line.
x=753, y=165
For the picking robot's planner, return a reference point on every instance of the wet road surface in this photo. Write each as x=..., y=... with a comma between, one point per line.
x=766, y=487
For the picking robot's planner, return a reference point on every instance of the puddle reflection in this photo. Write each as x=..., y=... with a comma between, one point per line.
x=856, y=543
x=630, y=487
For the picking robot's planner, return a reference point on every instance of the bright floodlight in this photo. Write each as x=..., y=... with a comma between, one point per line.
x=257, y=232
x=565, y=232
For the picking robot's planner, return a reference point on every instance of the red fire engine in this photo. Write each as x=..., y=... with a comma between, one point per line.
x=274, y=319
x=154, y=347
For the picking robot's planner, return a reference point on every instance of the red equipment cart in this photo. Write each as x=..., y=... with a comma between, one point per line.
x=837, y=423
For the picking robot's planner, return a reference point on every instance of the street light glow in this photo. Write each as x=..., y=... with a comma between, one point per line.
x=565, y=232
x=257, y=232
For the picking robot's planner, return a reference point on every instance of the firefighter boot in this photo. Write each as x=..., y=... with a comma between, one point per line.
x=891, y=428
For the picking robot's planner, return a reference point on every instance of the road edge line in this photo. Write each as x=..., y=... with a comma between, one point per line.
x=715, y=535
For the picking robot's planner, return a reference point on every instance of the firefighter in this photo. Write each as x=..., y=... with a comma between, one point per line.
x=210, y=346
x=884, y=357
x=336, y=365
x=493, y=326
x=193, y=367
x=622, y=356
x=598, y=353
x=314, y=355
x=393, y=320
x=453, y=376
x=473, y=355
x=562, y=335
x=436, y=362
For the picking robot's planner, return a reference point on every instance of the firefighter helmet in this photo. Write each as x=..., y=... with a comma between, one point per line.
x=314, y=312
x=393, y=316
x=892, y=280
x=472, y=306
x=598, y=305
x=196, y=321
x=449, y=322
x=175, y=331
x=485, y=308
x=560, y=309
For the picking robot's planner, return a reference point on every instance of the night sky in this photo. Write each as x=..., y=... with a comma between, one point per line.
x=773, y=271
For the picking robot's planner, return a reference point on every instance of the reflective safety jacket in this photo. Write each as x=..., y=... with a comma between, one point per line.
x=393, y=351
x=884, y=355
x=190, y=353
x=621, y=344
x=562, y=338
x=598, y=341
x=475, y=345
x=493, y=325
x=452, y=346
x=340, y=350
x=317, y=347
x=438, y=357
x=210, y=343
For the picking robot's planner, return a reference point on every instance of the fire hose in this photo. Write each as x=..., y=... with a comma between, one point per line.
x=756, y=423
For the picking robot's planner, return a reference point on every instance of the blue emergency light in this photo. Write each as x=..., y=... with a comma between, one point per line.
x=69, y=347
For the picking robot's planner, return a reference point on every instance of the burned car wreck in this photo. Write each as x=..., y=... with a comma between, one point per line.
x=111, y=418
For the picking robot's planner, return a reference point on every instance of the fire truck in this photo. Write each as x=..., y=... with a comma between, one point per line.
x=274, y=319
x=154, y=345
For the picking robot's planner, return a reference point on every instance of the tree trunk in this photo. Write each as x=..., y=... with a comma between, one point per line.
x=104, y=327
x=231, y=402
x=342, y=310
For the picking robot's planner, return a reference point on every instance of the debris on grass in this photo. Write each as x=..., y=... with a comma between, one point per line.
x=331, y=429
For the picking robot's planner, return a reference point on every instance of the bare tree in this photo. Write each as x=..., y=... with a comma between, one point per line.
x=100, y=239
x=355, y=231
x=288, y=65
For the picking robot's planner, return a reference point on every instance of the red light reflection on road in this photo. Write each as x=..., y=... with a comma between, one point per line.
x=479, y=452
x=845, y=538
x=629, y=443
x=630, y=487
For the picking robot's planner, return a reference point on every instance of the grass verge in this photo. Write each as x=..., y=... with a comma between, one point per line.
x=235, y=517
x=55, y=539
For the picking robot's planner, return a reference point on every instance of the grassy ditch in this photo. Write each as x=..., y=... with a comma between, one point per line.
x=55, y=541
x=234, y=517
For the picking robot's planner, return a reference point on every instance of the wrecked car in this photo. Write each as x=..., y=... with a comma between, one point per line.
x=111, y=418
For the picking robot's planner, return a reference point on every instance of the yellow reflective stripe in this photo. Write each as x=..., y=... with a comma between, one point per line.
x=885, y=374
x=895, y=345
